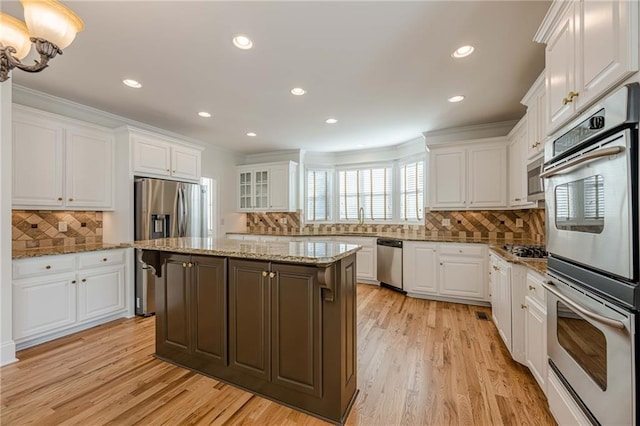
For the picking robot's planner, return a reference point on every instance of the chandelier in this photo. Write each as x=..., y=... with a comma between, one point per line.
x=50, y=25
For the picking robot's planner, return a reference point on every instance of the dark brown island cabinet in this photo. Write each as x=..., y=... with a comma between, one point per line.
x=283, y=331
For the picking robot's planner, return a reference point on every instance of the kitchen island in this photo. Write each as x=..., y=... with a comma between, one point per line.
x=275, y=318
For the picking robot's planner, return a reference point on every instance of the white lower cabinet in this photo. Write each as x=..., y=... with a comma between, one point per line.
x=49, y=303
x=500, y=277
x=536, y=329
x=448, y=271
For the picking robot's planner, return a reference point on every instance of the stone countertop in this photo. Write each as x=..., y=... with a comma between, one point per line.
x=538, y=265
x=392, y=235
x=303, y=252
x=55, y=250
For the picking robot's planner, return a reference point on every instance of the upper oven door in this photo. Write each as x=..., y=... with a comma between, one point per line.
x=589, y=207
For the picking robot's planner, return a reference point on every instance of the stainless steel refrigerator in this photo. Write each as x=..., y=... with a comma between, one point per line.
x=164, y=209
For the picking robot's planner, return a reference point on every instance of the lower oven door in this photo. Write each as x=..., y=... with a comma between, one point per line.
x=590, y=208
x=591, y=345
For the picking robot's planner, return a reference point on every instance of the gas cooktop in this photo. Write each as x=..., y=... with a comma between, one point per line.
x=535, y=252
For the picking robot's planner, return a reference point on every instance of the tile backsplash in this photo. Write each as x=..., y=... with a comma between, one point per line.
x=39, y=228
x=492, y=224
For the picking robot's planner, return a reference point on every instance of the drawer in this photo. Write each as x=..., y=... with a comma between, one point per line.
x=475, y=250
x=45, y=265
x=535, y=289
x=100, y=258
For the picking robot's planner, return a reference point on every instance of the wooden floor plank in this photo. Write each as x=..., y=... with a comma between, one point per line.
x=420, y=362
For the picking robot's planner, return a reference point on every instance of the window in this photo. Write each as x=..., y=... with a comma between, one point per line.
x=368, y=189
x=412, y=191
x=319, y=195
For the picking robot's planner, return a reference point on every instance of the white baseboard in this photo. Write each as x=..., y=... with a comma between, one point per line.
x=449, y=299
x=8, y=353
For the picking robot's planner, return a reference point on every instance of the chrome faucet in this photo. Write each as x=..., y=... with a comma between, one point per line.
x=361, y=216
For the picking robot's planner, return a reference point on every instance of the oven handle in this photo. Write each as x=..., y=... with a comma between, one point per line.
x=590, y=156
x=601, y=319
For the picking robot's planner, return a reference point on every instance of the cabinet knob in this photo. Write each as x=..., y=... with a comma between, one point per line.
x=523, y=306
x=459, y=251
x=565, y=101
x=173, y=171
x=73, y=282
x=70, y=199
x=104, y=260
x=440, y=263
x=59, y=198
x=572, y=95
x=84, y=280
x=272, y=274
x=189, y=265
x=264, y=273
x=184, y=264
x=517, y=199
x=47, y=267
x=495, y=268
x=168, y=170
x=532, y=288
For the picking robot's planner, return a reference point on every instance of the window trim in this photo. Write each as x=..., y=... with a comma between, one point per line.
x=400, y=163
x=330, y=189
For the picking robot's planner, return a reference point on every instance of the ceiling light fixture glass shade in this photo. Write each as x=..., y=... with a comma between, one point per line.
x=15, y=34
x=51, y=27
x=463, y=51
x=456, y=98
x=242, y=42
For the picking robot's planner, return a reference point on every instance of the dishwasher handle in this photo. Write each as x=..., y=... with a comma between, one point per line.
x=390, y=243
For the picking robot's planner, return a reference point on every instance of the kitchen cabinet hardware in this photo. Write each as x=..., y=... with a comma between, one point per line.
x=517, y=199
x=532, y=288
x=565, y=101
x=73, y=282
x=572, y=95
x=104, y=260
x=264, y=273
x=523, y=306
x=173, y=171
x=190, y=265
x=59, y=198
x=70, y=199
x=184, y=264
x=47, y=267
x=84, y=280
x=272, y=274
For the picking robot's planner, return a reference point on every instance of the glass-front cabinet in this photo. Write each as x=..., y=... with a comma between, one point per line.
x=267, y=187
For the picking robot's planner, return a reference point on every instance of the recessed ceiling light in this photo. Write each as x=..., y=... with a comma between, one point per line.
x=251, y=134
x=132, y=83
x=204, y=114
x=456, y=98
x=463, y=51
x=242, y=42
x=331, y=121
x=298, y=91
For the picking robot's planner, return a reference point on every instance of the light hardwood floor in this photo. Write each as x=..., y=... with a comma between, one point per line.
x=419, y=363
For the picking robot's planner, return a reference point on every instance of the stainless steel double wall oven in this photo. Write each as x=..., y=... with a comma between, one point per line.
x=592, y=203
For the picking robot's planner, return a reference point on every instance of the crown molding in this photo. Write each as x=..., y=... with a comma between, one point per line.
x=551, y=19
x=466, y=133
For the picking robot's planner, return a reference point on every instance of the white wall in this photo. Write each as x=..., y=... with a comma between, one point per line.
x=7, y=346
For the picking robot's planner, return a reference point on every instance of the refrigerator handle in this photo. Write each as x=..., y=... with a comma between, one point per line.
x=181, y=212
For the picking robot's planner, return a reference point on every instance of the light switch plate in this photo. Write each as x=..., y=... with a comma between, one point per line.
x=62, y=226
x=446, y=222
x=519, y=223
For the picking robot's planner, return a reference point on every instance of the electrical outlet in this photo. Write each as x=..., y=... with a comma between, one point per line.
x=519, y=223
x=62, y=226
x=446, y=222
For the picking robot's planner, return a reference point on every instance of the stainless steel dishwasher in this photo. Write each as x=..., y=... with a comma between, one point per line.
x=390, y=263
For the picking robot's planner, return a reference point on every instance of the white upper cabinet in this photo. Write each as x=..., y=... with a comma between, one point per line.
x=267, y=187
x=468, y=176
x=59, y=163
x=536, y=102
x=156, y=156
x=591, y=46
x=518, y=164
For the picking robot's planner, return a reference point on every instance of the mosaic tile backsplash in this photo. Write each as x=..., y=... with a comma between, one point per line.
x=492, y=224
x=39, y=228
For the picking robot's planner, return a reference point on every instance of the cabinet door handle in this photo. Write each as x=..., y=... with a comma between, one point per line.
x=272, y=274
x=523, y=306
x=73, y=282
x=572, y=95
x=59, y=198
x=565, y=101
x=189, y=265
x=517, y=199
x=47, y=267
x=104, y=260
x=184, y=264
x=532, y=288
x=173, y=171
x=70, y=199
x=168, y=170
x=84, y=280
x=441, y=263
x=264, y=273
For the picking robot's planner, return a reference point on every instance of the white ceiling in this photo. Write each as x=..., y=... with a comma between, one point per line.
x=383, y=69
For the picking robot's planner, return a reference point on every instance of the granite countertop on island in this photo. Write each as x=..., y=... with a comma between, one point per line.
x=303, y=252
x=56, y=250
